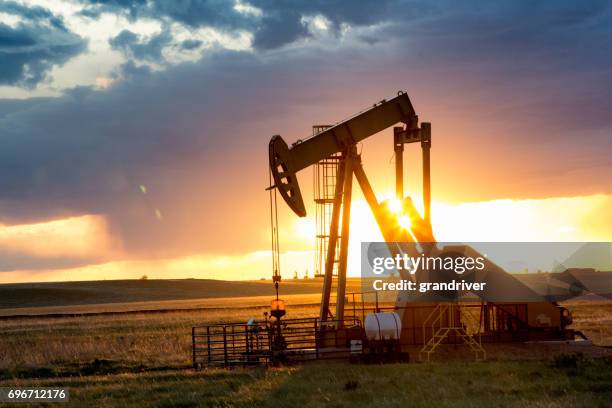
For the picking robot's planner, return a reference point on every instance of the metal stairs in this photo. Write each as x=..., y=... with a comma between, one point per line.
x=442, y=322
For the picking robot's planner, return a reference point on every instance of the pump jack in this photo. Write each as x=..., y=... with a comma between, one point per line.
x=342, y=138
x=422, y=323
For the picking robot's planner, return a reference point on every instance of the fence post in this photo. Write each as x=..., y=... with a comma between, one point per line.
x=316, y=333
x=233, y=340
x=208, y=342
x=193, y=349
x=354, y=311
x=362, y=308
x=247, y=345
x=336, y=336
x=224, y=346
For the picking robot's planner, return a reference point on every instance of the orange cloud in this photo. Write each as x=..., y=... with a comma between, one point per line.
x=83, y=236
x=580, y=219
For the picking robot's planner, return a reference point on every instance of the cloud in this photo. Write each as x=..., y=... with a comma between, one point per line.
x=30, y=48
x=273, y=24
x=192, y=135
x=129, y=71
x=139, y=48
x=518, y=111
x=191, y=44
x=277, y=31
x=56, y=244
x=193, y=13
x=283, y=19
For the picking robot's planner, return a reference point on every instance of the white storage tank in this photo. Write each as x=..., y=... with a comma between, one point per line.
x=383, y=326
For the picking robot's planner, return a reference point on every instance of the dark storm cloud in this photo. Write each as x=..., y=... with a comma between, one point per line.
x=281, y=23
x=191, y=44
x=30, y=13
x=559, y=54
x=16, y=261
x=173, y=132
x=144, y=49
x=129, y=7
x=195, y=134
x=565, y=32
x=130, y=71
x=278, y=31
x=36, y=44
x=193, y=13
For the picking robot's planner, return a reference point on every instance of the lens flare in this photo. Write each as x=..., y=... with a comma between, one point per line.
x=404, y=222
x=395, y=205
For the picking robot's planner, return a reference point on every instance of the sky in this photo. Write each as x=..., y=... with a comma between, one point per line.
x=134, y=134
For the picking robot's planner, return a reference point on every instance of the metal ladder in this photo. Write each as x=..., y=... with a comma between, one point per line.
x=324, y=184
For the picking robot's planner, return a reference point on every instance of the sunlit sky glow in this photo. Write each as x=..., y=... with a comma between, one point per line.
x=134, y=134
x=570, y=219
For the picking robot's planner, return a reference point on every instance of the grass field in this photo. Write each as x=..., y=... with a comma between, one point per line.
x=142, y=358
x=128, y=342
x=61, y=294
x=580, y=383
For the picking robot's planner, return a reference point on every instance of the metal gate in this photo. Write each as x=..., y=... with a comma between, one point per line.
x=257, y=342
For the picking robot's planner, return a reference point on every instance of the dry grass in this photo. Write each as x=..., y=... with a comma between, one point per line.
x=135, y=339
x=153, y=340
x=29, y=295
x=188, y=305
x=594, y=319
x=139, y=359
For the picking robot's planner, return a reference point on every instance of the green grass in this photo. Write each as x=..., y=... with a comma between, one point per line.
x=504, y=384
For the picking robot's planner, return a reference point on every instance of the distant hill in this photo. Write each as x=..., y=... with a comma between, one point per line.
x=122, y=291
x=27, y=295
x=595, y=255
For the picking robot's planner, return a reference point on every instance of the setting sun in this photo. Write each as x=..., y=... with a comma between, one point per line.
x=394, y=205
